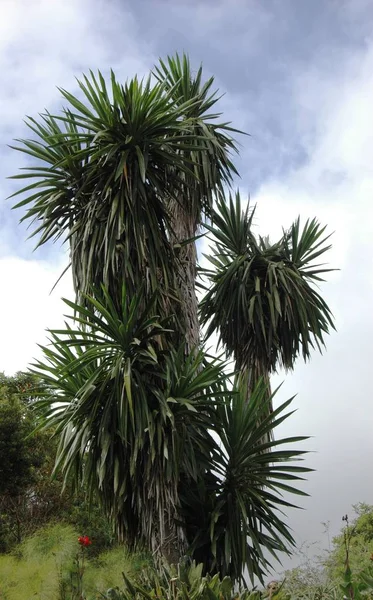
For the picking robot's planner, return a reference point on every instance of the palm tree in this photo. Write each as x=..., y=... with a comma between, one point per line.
x=261, y=297
x=126, y=179
x=130, y=416
x=106, y=169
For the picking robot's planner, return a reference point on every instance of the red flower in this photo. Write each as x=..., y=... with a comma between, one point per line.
x=84, y=540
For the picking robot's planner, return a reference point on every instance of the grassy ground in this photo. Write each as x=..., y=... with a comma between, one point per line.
x=41, y=566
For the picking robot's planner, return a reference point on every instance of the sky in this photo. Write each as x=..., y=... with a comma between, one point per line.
x=298, y=77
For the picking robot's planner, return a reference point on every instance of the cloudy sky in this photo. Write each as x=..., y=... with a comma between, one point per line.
x=298, y=76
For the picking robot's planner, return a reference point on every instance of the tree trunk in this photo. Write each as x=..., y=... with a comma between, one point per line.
x=173, y=546
x=184, y=228
x=254, y=374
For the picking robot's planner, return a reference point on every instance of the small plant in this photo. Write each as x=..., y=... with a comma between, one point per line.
x=355, y=587
x=184, y=582
x=76, y=575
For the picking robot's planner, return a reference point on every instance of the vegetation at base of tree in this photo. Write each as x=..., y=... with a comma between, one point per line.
x=359, y=534
x=182, y=457
x=343, y=571
x=44, y=565
x=29, y=497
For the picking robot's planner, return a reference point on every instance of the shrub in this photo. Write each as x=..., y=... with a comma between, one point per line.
x=182, y=583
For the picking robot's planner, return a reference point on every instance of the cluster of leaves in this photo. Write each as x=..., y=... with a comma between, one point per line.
x=261, y=298
x=186, y=582
x=243, y=489
x=111, y=168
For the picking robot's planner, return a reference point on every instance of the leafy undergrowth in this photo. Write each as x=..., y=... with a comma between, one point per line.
x=57, y=563
x=41, y=567
x=44, y=567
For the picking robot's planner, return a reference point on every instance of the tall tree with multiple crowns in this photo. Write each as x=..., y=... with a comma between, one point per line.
x=178, y=452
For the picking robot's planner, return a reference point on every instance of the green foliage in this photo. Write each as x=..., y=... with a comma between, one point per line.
x=106, y=570
x=18, y=455
x=181, y=583
x=42, y=567
x=163, y=454
x=355, y=585
x=119, y=135
x=33, y=571
x=27, y=496
x=236, y=513
x=360, y=540
x=310, y=581
x=360, y=586
x=262, y=300
x=110, y=167
x=347, y=569
x=33, y=498
x=88, y=517
x=144, y=414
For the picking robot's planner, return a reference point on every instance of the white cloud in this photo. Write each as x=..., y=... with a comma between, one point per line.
x=336, y=185
x=27, y=308
x=46, y=43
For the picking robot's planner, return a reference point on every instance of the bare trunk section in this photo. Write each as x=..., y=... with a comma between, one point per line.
x=255, y=373
x=173, y=547
x=184, y=228
x=173, y=544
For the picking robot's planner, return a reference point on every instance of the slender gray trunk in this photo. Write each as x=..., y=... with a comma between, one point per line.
x=173, y=545
x=184, y=228
x=254, y=374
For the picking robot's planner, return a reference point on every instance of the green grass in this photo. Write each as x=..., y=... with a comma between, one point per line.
x=106, y=571
x=35, y=570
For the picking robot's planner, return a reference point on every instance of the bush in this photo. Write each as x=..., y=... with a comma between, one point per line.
x=32, y=571
x=90, y=520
